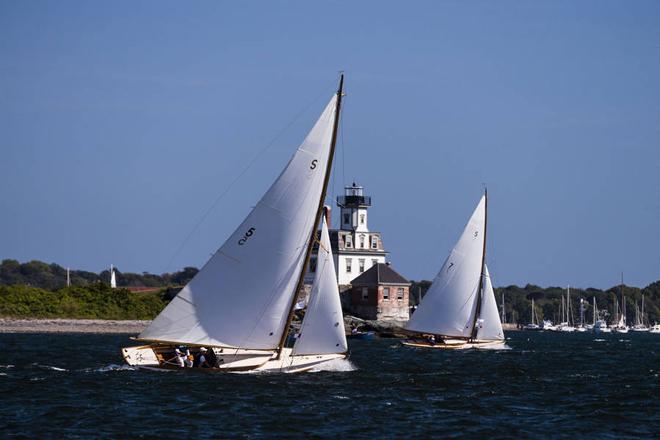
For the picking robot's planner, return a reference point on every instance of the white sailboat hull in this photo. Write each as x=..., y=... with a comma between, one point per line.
x=159, y=357
x=453, y=344
x=289, y=363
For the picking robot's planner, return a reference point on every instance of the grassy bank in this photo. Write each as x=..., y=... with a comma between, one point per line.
x=97, y=301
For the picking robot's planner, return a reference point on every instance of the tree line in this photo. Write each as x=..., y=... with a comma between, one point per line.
x=53, y=276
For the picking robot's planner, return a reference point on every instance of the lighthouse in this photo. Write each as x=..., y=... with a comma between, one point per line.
x=355, y=248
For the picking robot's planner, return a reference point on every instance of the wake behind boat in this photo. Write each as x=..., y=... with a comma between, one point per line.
x=459, y=310
x=235, y=314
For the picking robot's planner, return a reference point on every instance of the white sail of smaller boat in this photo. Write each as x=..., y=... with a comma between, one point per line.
x=113, y=278
x=460, y=307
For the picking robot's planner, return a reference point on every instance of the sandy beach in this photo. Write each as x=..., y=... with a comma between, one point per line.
x=16, y=325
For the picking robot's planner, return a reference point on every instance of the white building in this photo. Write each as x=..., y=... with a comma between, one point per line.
x=355, y=248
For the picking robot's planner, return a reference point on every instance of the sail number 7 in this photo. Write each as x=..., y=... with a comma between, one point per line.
x=247, y=235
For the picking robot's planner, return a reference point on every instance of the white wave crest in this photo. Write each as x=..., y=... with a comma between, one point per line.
x=340, y=365
x=495, y=347
x=50, y=367
x=115, y=367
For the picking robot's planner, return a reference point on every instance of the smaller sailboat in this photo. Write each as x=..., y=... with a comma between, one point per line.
x=600, y=325
x=459, y=310
x=655, y=328
x=567, y=314
x=533, y=325
x=639, y=326
x=620, y=325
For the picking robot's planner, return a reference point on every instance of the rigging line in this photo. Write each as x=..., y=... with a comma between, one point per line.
x=238, y=177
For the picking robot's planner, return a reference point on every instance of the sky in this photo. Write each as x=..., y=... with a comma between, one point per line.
x=140, y=134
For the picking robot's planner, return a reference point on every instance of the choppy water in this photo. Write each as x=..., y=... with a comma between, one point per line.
x=547, y=385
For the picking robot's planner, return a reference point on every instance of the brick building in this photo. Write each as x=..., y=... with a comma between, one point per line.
x=380, y=293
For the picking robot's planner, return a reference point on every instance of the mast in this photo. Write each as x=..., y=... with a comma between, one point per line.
x=483, y=263
x=319, y=212
x=623, y=303
x=595, y=313
x=504, y=310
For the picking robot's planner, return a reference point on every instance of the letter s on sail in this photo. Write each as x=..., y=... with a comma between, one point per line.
x=313, y=164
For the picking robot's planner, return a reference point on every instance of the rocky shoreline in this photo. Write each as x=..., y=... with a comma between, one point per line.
x=33, y=325
x=55, y=325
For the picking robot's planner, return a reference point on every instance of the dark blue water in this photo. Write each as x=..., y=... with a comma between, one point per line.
x=548, y=385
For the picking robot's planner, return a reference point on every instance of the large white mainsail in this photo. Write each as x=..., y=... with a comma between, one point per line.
x=489, y=326
x=322, y=330
x=449, y=306
x=241, y=296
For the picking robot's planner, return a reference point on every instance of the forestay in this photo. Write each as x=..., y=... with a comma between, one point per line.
x=240, y=298
x=489, y=324
x=322, y=330
x=449, y=306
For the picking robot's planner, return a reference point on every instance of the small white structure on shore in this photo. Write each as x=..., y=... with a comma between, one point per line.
x=113, y=278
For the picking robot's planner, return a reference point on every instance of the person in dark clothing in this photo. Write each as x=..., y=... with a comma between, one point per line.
x=201, y=361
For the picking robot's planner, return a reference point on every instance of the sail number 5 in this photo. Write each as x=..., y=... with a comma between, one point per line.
x=312, y=166
x=247, y=235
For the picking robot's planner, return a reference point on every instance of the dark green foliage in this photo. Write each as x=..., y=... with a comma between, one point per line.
x=53, y=276
x=97, y=301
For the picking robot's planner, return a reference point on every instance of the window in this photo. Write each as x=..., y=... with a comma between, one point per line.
x=365, y=293
x=374, y=262
x=374, y=242
x=361, y=219
x=386, y=293
x=361, y=241
x=347, y=219
x=361, y=264
x=349, y=262
x=399, y=293
x=312, y=265
x=348, y=241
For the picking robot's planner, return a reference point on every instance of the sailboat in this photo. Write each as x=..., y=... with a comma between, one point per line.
x=567, y=314
x=533, y=325
x=620, y=325
x=639, y=326
x=600, y=325
x=238, y=309
x=459, y=310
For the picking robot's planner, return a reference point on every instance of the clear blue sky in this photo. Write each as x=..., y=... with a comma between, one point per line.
x=121, y=122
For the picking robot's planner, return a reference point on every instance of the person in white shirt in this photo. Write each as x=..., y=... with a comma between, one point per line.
x=179, y=358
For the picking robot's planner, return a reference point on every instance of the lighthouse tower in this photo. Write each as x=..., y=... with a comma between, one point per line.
x=357, y=248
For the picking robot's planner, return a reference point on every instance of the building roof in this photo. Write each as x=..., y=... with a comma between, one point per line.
x=380, y=273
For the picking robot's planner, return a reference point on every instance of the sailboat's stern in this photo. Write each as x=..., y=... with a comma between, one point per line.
x=140, y=356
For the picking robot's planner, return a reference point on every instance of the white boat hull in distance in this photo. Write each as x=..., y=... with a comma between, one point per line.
x=159, y=357
x=452, y=344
